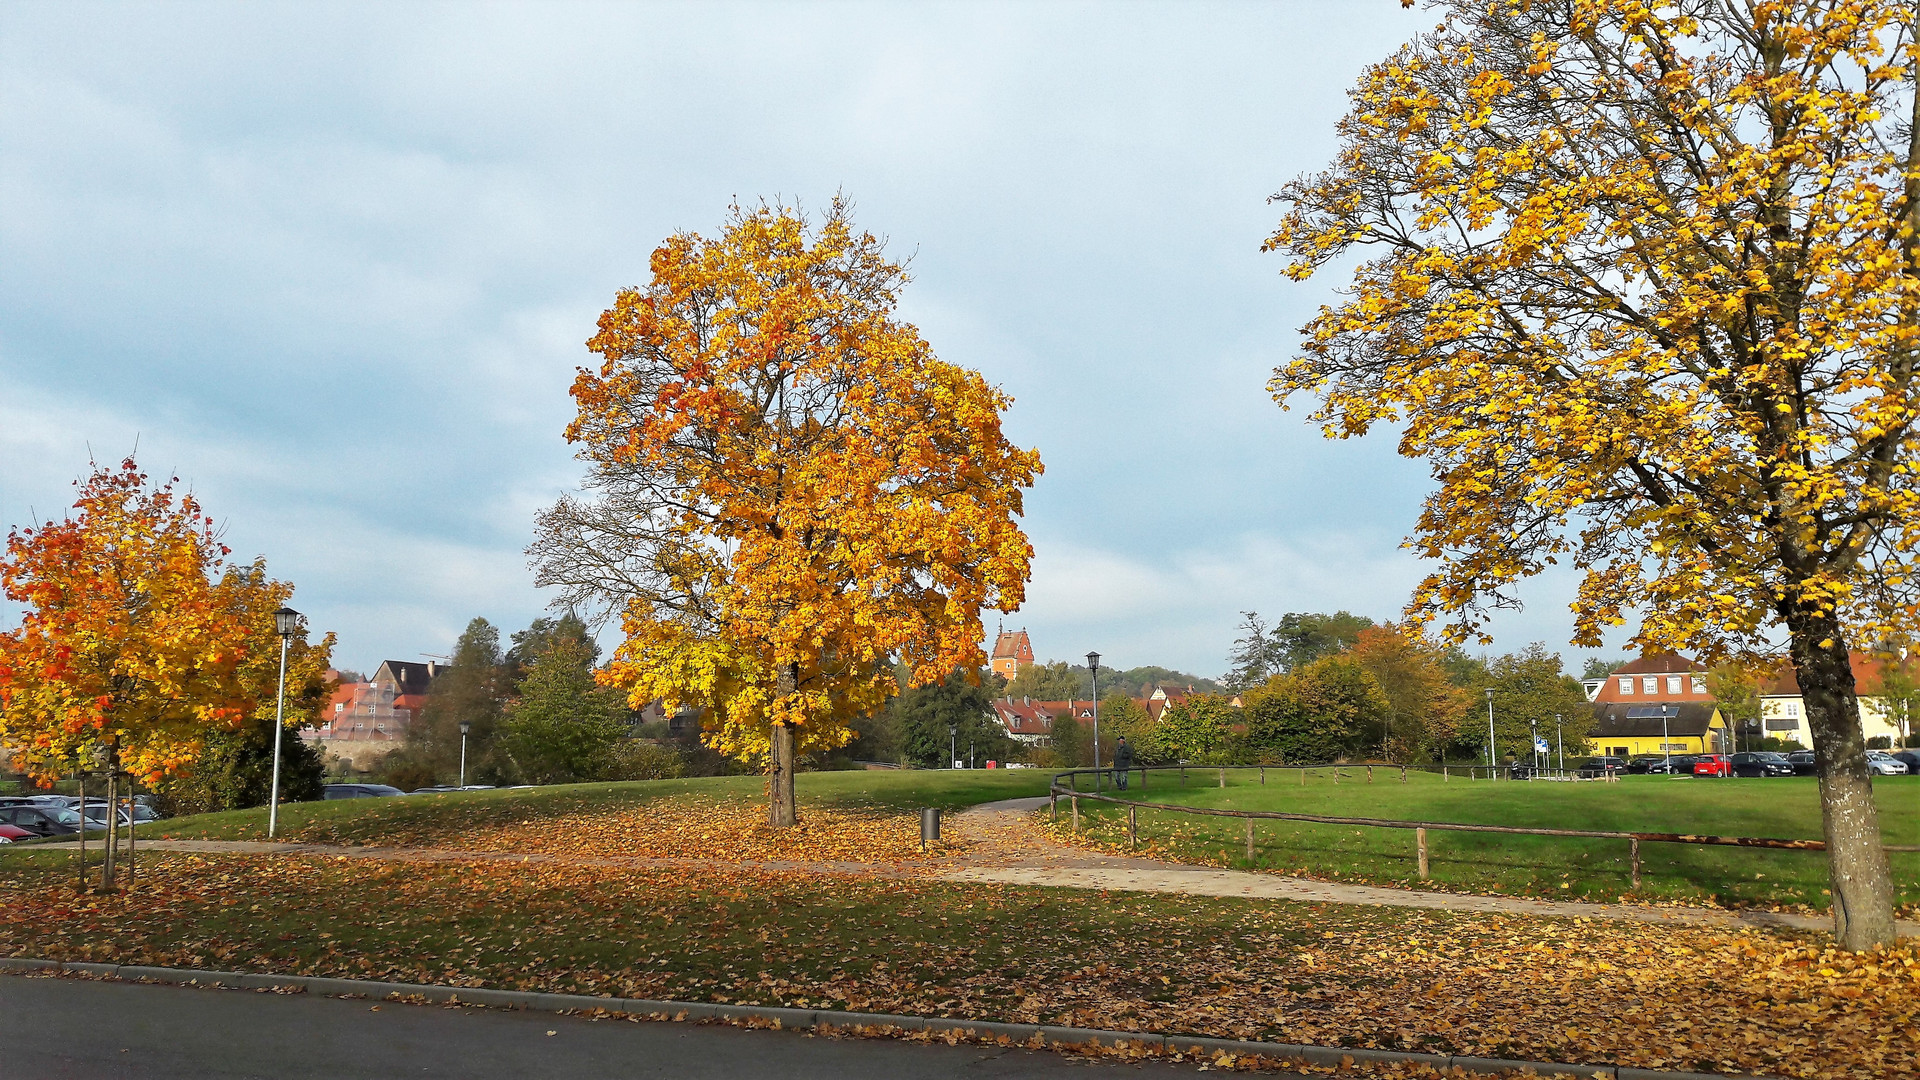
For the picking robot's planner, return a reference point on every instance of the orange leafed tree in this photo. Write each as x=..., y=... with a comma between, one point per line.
x=790, y=491
x=1642, y=281
x=128, y=642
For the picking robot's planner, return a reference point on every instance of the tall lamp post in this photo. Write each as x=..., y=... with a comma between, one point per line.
x=286, y=623
x=1560, y=741
x=465, y=726
x=1493, y=752
x=953, y=746
x=1093, y=665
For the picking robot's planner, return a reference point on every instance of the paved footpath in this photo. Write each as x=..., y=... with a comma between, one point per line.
x=1005, y=848
x=58, y=1028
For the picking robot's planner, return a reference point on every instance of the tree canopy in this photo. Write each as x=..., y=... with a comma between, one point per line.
x=790, y=492
x=136, y=637
x=1642, y=282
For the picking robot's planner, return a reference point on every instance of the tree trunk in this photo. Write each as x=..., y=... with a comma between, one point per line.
x=1861, y=883
x=781, y=812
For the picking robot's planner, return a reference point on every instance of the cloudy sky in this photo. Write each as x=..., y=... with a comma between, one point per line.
x=333, y=265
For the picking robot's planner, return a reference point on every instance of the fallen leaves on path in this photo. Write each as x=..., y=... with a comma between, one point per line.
x=1489, y=985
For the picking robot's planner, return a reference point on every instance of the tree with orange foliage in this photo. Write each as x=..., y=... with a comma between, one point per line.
x=1423, y=707
x=1647, y=295
x=792, y=492
x=128, y=642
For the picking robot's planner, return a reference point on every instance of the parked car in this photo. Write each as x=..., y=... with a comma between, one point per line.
x=1712, y=765
x=431, y=790
x=1601, y=766
x=1910, y=758
x=1647, y=763
x=46, y=820
x=361, y=791
x=10, y=833
x=1885, y=764
x=1761, y=763
x=1802, y=762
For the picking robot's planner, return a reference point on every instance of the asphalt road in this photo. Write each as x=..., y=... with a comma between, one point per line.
x=63, y=1027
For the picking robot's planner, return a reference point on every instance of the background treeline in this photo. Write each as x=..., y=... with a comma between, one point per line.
x=535, y=715
x=1316, y=687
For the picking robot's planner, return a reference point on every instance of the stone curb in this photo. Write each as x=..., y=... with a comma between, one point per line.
x=803, y=1019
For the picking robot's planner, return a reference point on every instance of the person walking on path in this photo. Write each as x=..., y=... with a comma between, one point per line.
x=1122, y=762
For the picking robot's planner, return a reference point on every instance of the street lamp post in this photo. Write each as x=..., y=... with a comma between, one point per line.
x=953, y=746
x=286, y=623
x=1493, y=751
x=1560, y=741
x=1093, y=665
x=1533, y=739
x=465, y=726
x=1666, y=749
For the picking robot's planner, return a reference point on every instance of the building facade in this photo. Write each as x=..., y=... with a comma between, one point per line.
x=1011, y=652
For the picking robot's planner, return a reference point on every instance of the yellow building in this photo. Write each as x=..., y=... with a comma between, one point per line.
x=1625, y=729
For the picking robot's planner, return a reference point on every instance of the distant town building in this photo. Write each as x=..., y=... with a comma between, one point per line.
x=1783, y=715
x=364, y=720
x=1625, y=729
x=1660, y=677
x=1011, y=652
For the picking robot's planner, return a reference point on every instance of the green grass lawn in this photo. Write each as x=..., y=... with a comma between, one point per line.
x=1546, y=866
x=418, y=818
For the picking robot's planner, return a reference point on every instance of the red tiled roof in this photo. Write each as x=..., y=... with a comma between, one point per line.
x=1659, y=664
x=1014, y=644
x=1869, y=674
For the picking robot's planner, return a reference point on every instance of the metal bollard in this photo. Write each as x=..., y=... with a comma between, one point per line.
x=929, y=827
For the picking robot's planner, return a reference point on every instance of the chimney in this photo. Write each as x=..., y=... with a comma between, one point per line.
x=430, y=669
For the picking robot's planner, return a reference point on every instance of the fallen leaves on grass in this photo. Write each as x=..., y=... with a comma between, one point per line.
x=1487, y=985
x=662, y=829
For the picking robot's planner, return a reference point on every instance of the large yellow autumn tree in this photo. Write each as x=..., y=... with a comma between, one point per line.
x=136, y=637
x=1641, y=279
x=789, y=491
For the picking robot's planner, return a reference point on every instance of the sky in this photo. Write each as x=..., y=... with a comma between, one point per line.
x=333, y=265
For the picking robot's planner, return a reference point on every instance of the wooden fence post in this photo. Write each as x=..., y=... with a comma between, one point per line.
x=1369, y=774
x=1076, y=814
x=1183, y=776
x=1263, y=776
x=1133, y=835
x=1249, y=839
x=1303, y=776
x=1223, y=777
x=1635, y=854
x=1403, y=774
x=1446, y=774
x=1420, y=848
x=1053, y=805
x=1143, y=778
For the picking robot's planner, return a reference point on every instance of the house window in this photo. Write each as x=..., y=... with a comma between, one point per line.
x=339, y=707
x=1793, y=708
x=1650, y=684
x=1673, y=684
x=1626, y=684
x=1699, y=684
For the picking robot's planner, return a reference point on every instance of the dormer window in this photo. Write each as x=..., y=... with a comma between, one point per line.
x=1650, y=684
x=1673, y=684
x=1626, y=684
x=1699, y=684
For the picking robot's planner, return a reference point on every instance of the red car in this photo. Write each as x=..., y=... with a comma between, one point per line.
x=10, y=833
x=1712, y=765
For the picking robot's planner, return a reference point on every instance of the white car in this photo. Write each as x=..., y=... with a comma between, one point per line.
x=1885, y=764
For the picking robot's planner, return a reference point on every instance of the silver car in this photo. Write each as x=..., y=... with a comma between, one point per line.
x=1885, y=764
